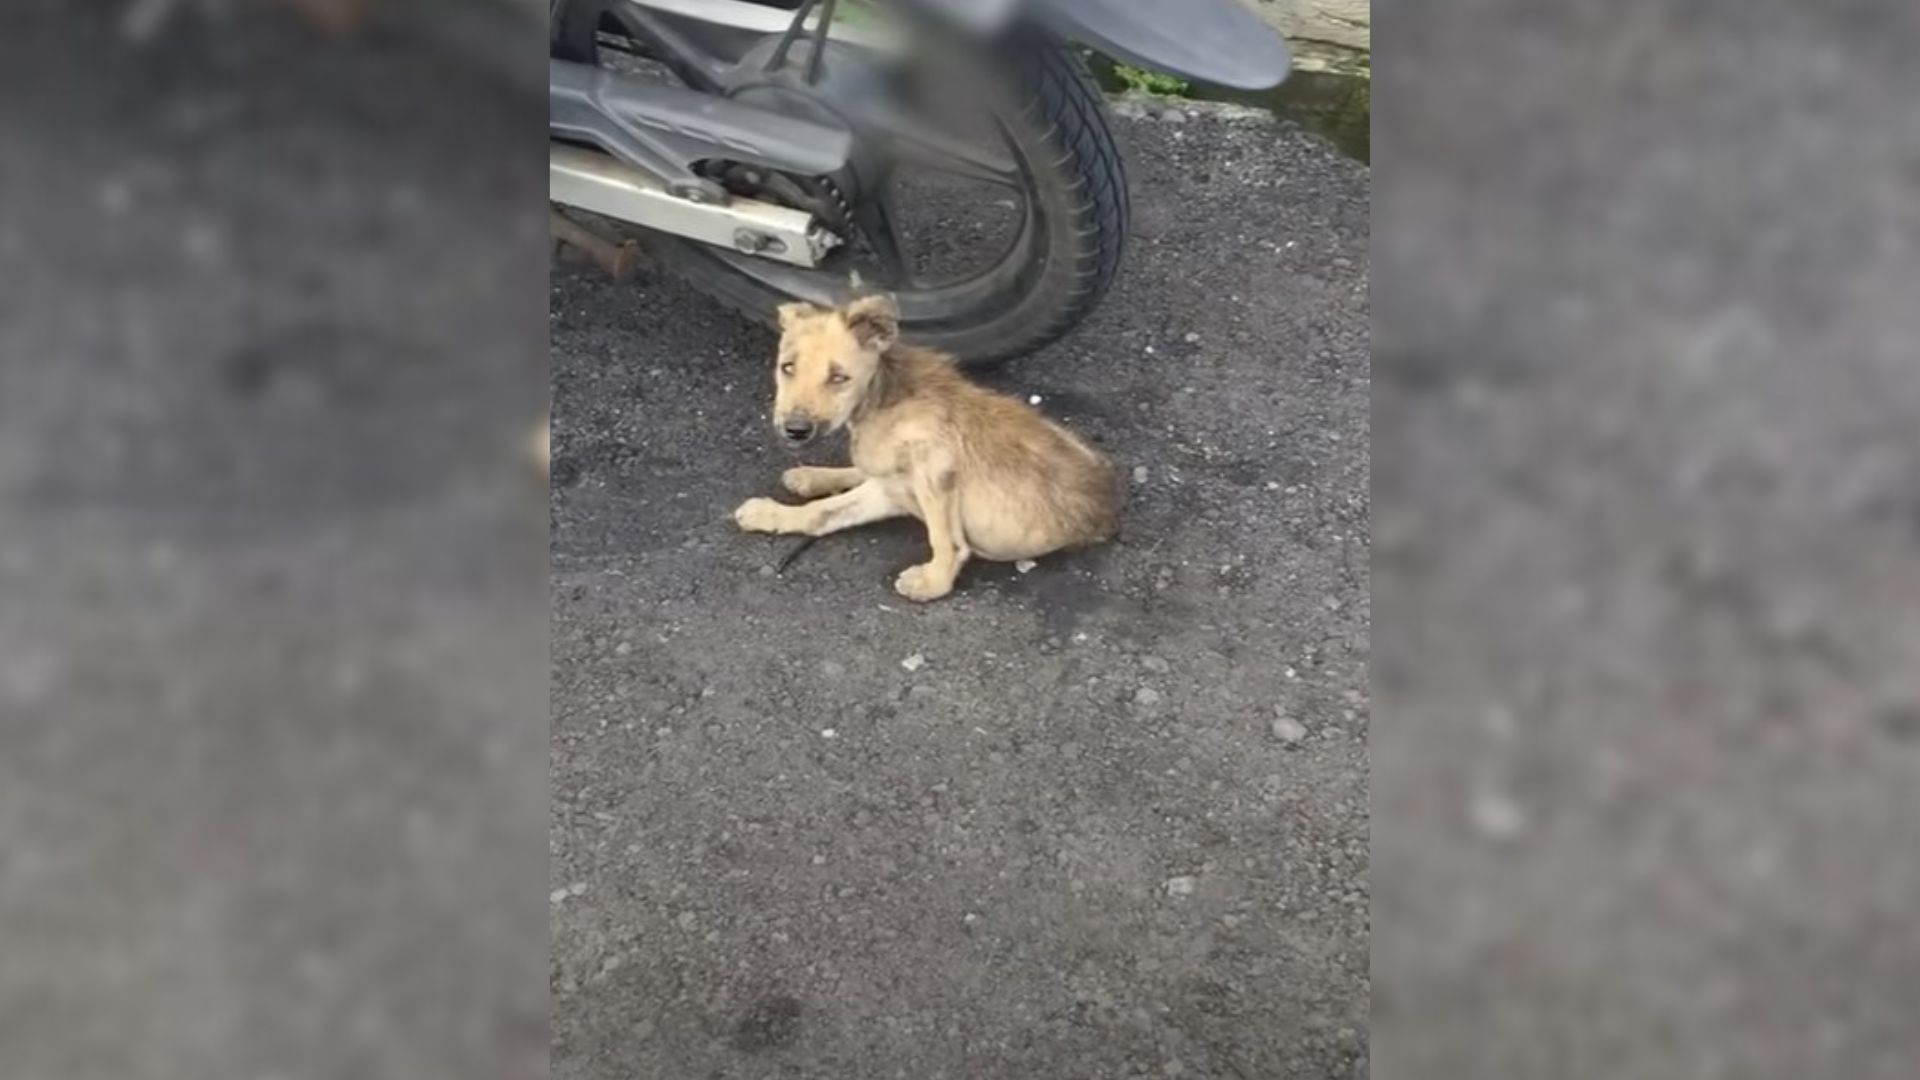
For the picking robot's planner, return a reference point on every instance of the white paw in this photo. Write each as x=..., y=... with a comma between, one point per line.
x=801, y=480
x=760, y=515
x=921, y=583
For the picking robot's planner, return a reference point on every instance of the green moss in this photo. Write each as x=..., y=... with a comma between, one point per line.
x=856, y=13
x=1151, y=82
x=1337, y=104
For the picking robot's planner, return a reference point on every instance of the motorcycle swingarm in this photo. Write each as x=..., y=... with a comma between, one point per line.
x=665, y=130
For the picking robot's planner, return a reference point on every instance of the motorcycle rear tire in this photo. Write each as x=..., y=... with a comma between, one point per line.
x=1076, y=180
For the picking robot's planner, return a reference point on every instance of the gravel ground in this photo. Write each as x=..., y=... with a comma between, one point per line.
x=1107, y=818
x=1648, y=758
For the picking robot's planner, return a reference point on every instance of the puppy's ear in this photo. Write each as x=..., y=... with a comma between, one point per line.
x=875, y=321
x=793, y=313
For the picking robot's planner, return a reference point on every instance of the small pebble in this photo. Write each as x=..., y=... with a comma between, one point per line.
x=1139, y=474
x=828, y=733
x=1034, y=399
x=1496, y=816
x=914, y=662
x=623, y=648
x=1191, y=337
x=116, y=196
x=1288, y=730
x=1025, y=566
x=1181, y=886
x=557, y=895
x=1155, y=665
x=1146, y=695
x=201, y=242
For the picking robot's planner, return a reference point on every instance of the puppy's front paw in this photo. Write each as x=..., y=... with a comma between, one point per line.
x=922, y=583
x=761, y=515
x=809, y=482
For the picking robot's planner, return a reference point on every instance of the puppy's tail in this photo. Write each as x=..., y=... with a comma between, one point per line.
x=793, y=553
x=1112, y=506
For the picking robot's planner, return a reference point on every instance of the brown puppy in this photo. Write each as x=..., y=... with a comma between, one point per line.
x=988, y=475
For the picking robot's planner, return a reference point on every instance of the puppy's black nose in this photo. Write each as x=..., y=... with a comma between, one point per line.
x=797, y=429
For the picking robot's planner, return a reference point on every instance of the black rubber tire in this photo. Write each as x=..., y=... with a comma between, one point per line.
x=1078, y=183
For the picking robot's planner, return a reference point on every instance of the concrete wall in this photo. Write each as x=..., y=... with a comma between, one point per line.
x=1327, y=34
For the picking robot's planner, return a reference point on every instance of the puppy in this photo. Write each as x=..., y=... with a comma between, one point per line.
x=989, y=476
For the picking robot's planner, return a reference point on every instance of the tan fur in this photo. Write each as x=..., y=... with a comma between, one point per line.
x=539, y=443
x=987, y=474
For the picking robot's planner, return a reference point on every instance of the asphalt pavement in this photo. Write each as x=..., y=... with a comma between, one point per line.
x=1105, y=818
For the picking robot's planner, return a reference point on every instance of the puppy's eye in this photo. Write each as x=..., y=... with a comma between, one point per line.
x=786, y=368
x=837, y=377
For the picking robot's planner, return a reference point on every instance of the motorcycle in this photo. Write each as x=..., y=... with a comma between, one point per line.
x=954, y=153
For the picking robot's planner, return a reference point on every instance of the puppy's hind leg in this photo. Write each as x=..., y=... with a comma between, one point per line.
x=813, y=481
x=870, y=501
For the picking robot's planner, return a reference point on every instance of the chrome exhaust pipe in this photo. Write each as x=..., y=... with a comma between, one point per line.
x=596, y=182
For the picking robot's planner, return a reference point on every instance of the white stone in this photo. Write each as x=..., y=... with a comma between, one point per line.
x=1497, y=816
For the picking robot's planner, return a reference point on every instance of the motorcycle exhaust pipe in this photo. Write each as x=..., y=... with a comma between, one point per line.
x=596, y=182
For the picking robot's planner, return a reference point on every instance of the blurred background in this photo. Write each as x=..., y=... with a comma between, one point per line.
x=272, y=556
x=1647, y=515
